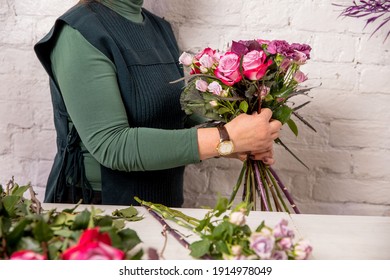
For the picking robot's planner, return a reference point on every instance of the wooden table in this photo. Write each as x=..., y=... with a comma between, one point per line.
x=332, y=237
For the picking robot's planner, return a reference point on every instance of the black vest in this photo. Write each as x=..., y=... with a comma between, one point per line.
x=146, y=58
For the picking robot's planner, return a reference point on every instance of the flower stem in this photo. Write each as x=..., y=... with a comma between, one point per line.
x=261, y=186
x=285, y=191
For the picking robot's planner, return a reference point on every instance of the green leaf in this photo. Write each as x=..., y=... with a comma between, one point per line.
x=282, y=114
x=221, y=206
x=42, y=231
x=291, y=124
x=223, y=231
x=9, y=203
x=5, y=225
x=81, y=220
x=19, y=191
x=283, y=93
x=200, y=248
x=223, y=110
x=222, y=247
x=244, y=106
x=130, y=238
x=17, y=233
x=128, y=212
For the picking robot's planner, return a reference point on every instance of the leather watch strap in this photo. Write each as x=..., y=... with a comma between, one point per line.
x=223, y=133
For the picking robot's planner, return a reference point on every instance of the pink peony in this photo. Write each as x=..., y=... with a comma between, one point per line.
x=93, y=245
x=254, y=65
x=26, y=255
x=228, y=69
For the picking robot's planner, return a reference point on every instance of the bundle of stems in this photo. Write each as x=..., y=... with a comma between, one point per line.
x=263, y=187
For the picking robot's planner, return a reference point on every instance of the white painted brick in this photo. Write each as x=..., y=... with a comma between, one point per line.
x=352, y=209
x=373, y=51
x=340, y=48
x=332, y=160
x=375, y=78
x=359, y=134
x=5, y=141
x=336, y=76
x=16, y=114
x=333, y=189
x=371, y=163
x=24, y=144
x=52, y=7
x=349, y=105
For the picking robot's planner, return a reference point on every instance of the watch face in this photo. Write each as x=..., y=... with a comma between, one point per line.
x=225, y=148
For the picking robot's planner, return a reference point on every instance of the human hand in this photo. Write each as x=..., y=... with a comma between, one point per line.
x=255, y=134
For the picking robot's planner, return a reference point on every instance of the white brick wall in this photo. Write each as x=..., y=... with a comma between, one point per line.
x=349, y=157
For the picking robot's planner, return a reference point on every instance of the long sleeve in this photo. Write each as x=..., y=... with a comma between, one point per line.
x=88, y=83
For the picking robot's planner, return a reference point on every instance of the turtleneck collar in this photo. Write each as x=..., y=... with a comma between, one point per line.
x=130, y=9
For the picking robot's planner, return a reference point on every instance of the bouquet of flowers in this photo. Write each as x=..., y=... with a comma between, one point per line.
x=225, y=235
x=27, y=232
x=249, y=76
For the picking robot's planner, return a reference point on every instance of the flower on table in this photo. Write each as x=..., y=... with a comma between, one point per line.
x=93, y=245
x=302, y=250
x=26, y=255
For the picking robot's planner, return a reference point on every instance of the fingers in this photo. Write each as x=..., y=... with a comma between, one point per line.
x=266, y=114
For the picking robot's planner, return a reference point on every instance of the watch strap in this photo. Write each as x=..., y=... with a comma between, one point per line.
x=223, y=133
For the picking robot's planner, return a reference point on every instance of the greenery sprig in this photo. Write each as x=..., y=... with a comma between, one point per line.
x=29, y=232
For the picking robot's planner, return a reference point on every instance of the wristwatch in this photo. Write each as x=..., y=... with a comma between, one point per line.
x=225, y=146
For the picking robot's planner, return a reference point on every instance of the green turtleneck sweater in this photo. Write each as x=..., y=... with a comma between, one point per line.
x=88, y=83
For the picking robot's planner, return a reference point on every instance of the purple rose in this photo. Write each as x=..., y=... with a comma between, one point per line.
x=281, y=230
x=262, y=245
x=303, y=48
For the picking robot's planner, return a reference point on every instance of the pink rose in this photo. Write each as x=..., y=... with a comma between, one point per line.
x=302, y=250
x=228, y=69
x=300, y=77
x=206, y=61
x=254, y=65
x=201, y=85
x=93, y=245
x=286, y=62
x=209, y=51
x=237, y=218
x=215, y=88
x=185, y=59
x=26, y=255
